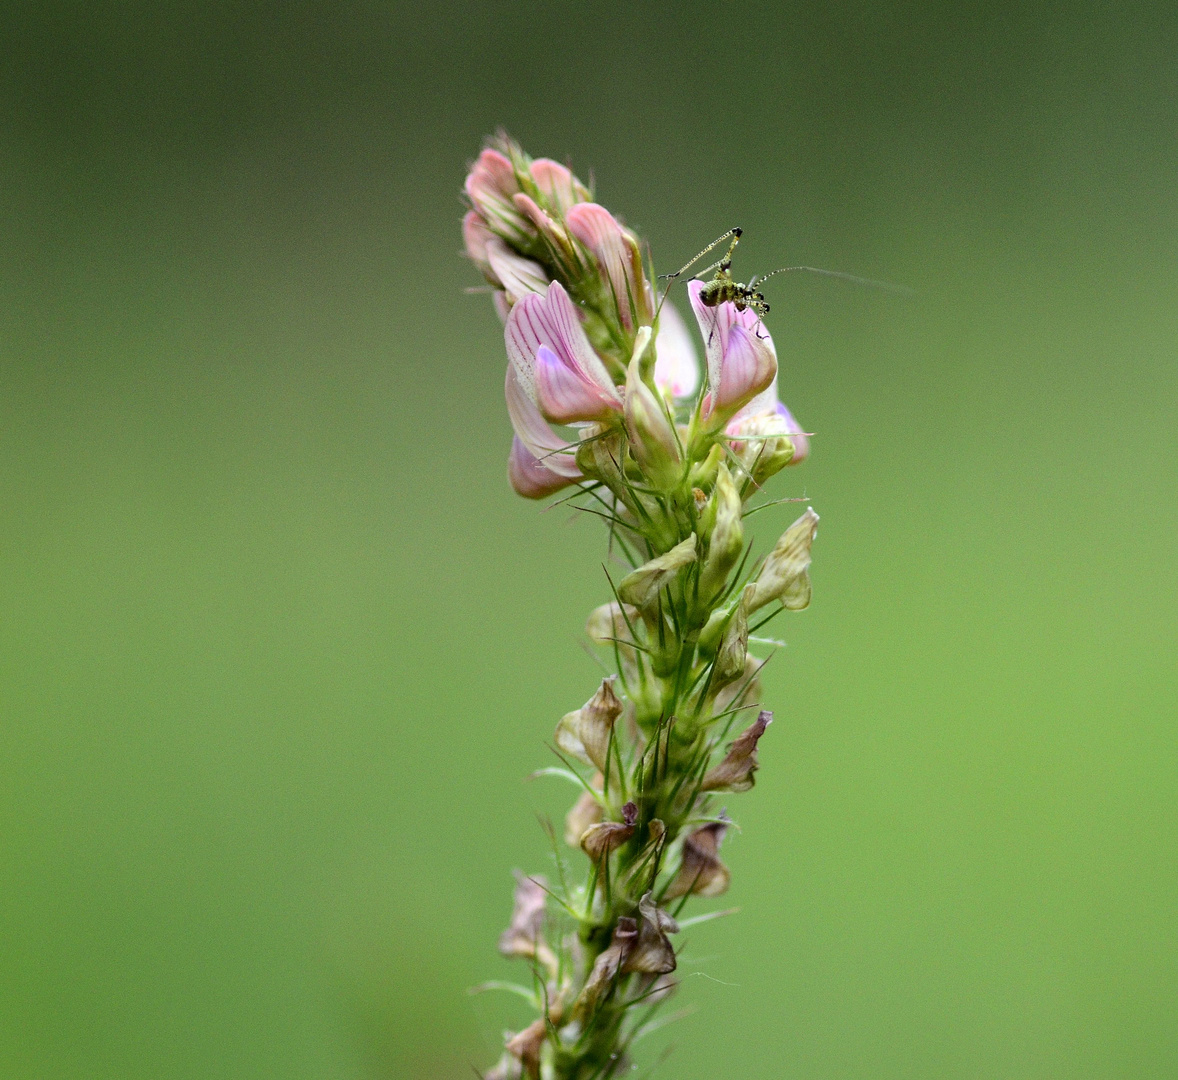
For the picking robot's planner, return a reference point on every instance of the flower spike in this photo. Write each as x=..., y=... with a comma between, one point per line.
x=607, y=396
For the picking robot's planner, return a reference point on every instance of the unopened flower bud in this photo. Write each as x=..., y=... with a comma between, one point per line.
x=585, y=732
x=602, y=455
x=559, y=187
x=653, y=440
x=585, y=811
x=701, y=872
x=734, y=645
x=703, y=473
x=786, y=573
x=727, y=535
x=736, y=771
x=475, y=236
x=652, y=953
x=743, y=691
x=765, y=443
x=556, y=236
x=641, y=587
x=598, y=841
x=618, y=258
x=491, y=187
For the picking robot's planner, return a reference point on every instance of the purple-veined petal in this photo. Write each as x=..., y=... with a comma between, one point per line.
x=676, y=369
x=565, y=395
x=535, y=433
x=529, y=477
x=518, y=276
x=551, y=319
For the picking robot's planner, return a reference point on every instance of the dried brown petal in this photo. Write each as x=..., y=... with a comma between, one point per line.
x=507, y=1068
x=526, y=1046
x=652, y=953
x=527, y=919
x=701, y=871
x=585, y=732
x=735, y=772
x=606, y=966
x=598, y=841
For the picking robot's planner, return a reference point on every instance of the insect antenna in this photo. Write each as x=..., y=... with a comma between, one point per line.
x=854, y=279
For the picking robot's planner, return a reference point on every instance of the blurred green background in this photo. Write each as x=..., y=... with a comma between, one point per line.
x=278, y=645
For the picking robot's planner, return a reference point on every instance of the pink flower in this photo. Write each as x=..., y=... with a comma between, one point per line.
x=617, y=254
x=554, y=362
x=741, y=359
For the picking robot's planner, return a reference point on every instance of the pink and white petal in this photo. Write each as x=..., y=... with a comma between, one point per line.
x=565, y=395
x=537, y=436
x=475, y=235
x=765, y=402
x=797, y=434
x=740, y=353
x=502, y=305
x=519, y=276
x=713, y=329
x=529, y=477
x=537, y=215
x=600, y=232
x=752, y=362
x=676, y=368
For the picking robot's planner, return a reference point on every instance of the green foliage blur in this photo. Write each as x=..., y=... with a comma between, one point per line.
x=279, y=645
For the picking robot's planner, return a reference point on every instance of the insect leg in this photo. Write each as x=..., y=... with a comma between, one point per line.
x=734, y=233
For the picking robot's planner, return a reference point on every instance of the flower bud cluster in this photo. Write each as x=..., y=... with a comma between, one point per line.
x=605, y=395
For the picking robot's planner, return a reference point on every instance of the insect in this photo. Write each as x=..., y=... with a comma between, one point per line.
x=724, y=288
